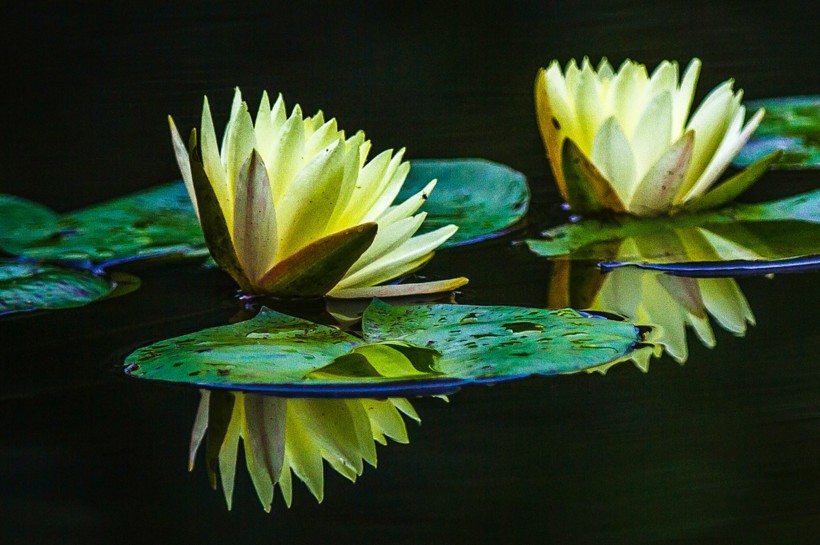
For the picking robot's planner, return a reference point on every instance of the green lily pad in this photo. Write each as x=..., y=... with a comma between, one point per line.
x=26, y=286
x=761, y=234
x=157, y=222
x=405, y=350
x=23, y=221
x=791, y=124
x=483, y=198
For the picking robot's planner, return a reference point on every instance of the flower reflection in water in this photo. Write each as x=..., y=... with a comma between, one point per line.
x=282, y=437
x=669, y=303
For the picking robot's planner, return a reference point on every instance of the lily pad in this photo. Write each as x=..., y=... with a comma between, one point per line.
x=157, y=222
x=26, y=286
x=791, y=124
x=405, y=350
x=483, y=198
x=768, y=237
x=23, y=221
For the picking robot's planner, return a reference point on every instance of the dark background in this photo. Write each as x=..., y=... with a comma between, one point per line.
x=725, y=449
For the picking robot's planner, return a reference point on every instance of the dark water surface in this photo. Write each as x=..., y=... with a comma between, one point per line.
x=724, y=449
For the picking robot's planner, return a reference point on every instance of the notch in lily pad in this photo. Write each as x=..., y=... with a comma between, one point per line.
x=403, y=350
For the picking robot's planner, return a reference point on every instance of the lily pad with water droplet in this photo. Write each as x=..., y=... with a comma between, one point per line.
x=159, y=222
x=483, y=198
x=766, y=238
x=26, y=286
x=791, y=124
x=404, y=350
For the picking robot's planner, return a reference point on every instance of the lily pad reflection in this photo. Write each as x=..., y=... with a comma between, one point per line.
x=769, y=234
x=286, y=437
x=405, y=350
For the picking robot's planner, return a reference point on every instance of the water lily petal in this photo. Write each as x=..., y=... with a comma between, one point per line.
x=727, y=304
x=654, y=193
x=408, y=207
x=236, y=104
x=709, y=122
x=587, y=189
x=653, y=132
x=200, y=427
x=664, y=79
x=388, y=239
x=729, y=189
x=303, y=212
x=588, y=107
x=285, y=157
x=301, y=451
x=316, y=268
x=254, y=219
x=183, y=161
x=684, y=96
x=626, y=94
x=612, y=155
x=401, y=290
x=264, y=127
x=214, y=225
x=390, y=189
x=732, y=142
x=400, y=261
x=228, y=452
x=263, y=430
x=212, y=163
x=385, y=420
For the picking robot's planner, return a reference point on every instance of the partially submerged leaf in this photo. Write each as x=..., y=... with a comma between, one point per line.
x=405, y=350
x=483, y=198
x=762, y=234
x=791, y=124
x=26, y=286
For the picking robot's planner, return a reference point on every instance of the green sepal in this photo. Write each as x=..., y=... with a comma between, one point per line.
x=587, y=189
x=212, y=220
x=728, y=191
x=318, y=267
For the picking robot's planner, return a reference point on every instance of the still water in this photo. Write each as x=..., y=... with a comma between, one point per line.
x=724, y=448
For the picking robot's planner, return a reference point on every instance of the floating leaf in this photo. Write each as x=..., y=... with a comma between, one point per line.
x=766, y=235
x=28, y=286
x=406, y=350
x=483, y=198
x=22, y=221
x=791, y=124
x=156, y=222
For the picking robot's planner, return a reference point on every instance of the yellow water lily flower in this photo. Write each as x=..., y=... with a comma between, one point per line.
x=624, y=140
x=290, y=206
x=283, y=437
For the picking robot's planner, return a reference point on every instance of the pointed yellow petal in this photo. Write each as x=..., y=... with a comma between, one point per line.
x=612, y=155
x=589, y=108
x=303, y=212
x=732, y=142
x=408, y=207
x=728, y=190
x=661, y=183
x=683, y=97
x=388, y=239
x=264, y=434
x=183, y=161
x=400, y=290
x=285, y=157
x=653, y=133
x=399, y=261
x=200, y=426
x=212, y=163
x=254, y=219
x=725, y=301
x=302, y=452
